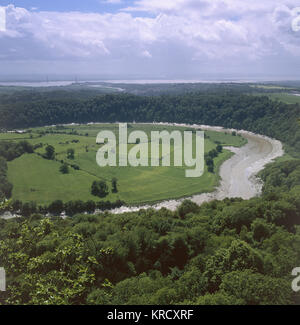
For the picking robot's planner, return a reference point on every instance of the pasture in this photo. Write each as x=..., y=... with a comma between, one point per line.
x=37, y=179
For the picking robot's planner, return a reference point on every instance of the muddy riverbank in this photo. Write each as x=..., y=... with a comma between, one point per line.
x=238, y=174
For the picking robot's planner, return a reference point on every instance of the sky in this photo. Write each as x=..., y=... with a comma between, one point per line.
x=187, y=39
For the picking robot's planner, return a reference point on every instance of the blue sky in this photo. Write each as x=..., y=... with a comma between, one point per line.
x=70, y=5
x=152, y=38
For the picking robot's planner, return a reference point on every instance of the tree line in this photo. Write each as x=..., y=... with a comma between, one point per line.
x=233, y=110
x=224, y=252
x=57, y=207
x=8, y=152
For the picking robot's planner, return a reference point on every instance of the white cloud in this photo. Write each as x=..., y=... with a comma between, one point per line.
x=113, y=1
x=146, y=54
x=222, y=31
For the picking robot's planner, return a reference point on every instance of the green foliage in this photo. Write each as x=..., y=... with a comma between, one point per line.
x=57, y=207
x=261, y=229
x=229, y=109
x=8, y=152
x=65, y=284
x=49, y=152
x=284, y=175
x=70, y=153
x=197, y=255
x=64, y=168
x=210, y=156
x=257, y=289
x=5, y=186
x=222, y=253
x=27, y=172
x=187, y=207
x=114, y=185
x=99, y=188
x=219, y=148
x=239, y=256
x=218, y=299
x=12, y=150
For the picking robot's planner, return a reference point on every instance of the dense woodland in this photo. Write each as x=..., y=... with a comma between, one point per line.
x=254, y=113
x=229, y=252
x=224, y=252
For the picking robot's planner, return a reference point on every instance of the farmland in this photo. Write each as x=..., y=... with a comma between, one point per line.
x=287, y=98
x=37, y=179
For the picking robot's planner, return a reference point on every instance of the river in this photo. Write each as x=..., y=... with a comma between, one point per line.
x=238, y=174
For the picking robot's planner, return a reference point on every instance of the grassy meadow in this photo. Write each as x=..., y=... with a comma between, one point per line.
x=287, y=98
x=37, y=179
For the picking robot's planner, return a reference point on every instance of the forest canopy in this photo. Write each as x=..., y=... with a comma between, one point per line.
x=224, y=252
x=229, y=252
x=240, y=111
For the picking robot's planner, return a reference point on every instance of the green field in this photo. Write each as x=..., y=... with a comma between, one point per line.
x=272, y=87
x=37, y=179
x=287, y=98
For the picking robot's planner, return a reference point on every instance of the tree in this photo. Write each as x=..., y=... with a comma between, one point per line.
x=28, y=209
x=64, y=168
x=74, y=207
x=218, y=299
x=90, y=206
x=5, y=188
x=187, y=207
x=219, y=148
x=95, y=188
x=17, y=205
x=210, y=164
x=238, y=257
x=70, y=153
x=65, y=271
x=261, y=229
x=210, y=169
x=26, y=146
x=213, y=153
x=99, y=189
x=257, y=289
x=50, y=152
x=114, y=184
x=103, y=189
x=56, y=207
